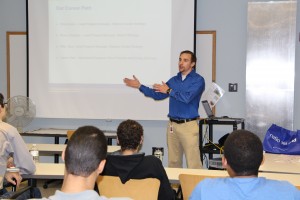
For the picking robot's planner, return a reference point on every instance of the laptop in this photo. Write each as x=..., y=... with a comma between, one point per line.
x=207, y=109
x=210, y=114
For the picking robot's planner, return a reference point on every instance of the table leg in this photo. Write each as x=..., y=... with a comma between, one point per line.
x=234, y=127
x=109, y=141
x=210, y=136
x=56, y=156
x=32, y=182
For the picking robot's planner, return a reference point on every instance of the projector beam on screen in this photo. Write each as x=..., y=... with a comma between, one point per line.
x=80, y=51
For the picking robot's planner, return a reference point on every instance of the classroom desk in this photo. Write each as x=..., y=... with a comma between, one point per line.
x=173, y=174
x=57, y=133
x=47, y=171
x=56, y=171
x=280, y=163
x=58, y=148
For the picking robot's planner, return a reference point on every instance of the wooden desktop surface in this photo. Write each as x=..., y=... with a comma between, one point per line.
x=58, y=148
x=51, y=132
x=56, y=171
x=281, y=163
x=173, y=174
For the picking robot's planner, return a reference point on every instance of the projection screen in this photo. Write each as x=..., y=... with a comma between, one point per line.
x=79, y=52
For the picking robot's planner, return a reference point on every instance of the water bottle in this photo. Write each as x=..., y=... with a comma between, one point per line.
x=35, y=153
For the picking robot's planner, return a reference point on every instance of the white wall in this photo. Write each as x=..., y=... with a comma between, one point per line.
x=297, y=73
x=12, y=18
x=228, y=18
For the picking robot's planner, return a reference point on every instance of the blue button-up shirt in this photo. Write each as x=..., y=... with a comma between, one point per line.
x=184, y=97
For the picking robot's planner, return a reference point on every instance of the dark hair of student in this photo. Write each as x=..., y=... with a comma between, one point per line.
x=85, y=150
x=193, y=56
x=129, y=134
x=1, y=100
x=244, y=152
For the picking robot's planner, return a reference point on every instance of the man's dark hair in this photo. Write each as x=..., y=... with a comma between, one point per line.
x=243, y=151
x=85, y=150
x=129, y=134
x=1, y=100
x=193, y=56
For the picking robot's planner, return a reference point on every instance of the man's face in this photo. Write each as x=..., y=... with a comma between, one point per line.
x=185, y=63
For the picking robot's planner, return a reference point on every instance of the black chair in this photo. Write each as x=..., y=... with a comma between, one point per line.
x=32, y=192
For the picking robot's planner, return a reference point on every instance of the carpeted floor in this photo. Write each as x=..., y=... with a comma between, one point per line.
x=52, y=187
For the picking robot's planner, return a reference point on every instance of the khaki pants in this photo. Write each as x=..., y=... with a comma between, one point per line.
x=183, y=139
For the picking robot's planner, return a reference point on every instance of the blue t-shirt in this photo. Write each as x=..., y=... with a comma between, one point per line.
x=256, y=188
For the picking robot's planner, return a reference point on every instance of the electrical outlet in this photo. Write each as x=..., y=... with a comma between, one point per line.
x=233, y=87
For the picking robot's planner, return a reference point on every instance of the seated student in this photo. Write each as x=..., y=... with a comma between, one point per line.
x=129, y=164
x=243, y=154
x=84, y=160
x=13, y=153
x=13, y=144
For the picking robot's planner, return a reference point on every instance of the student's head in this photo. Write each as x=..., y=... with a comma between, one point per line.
x=243, y=152
x=2, y=107
x=1, y=100
x=130, y=135
x=86, y=149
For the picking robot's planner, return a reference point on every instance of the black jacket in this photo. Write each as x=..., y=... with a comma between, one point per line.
x=139, y=166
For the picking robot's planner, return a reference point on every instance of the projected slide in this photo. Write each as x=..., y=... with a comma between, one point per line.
x=100, y=42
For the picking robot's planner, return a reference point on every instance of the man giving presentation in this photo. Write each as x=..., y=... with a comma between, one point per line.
x=184, y=90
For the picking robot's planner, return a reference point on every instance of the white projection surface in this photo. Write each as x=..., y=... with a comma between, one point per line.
x=81, y=50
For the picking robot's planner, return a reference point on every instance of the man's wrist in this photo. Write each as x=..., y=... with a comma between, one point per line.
x=169, y=91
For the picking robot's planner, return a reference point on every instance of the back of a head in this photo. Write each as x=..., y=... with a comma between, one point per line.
x=85, y=150
x=243, y=151
x=1, y=100
x=129, y=134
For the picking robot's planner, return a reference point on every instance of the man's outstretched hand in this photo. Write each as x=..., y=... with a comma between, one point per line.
x=163, y=87
x=135, y=83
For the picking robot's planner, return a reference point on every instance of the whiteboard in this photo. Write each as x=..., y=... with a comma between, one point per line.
x=16, y=64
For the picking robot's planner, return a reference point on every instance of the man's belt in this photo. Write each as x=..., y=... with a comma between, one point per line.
x=180, y=121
